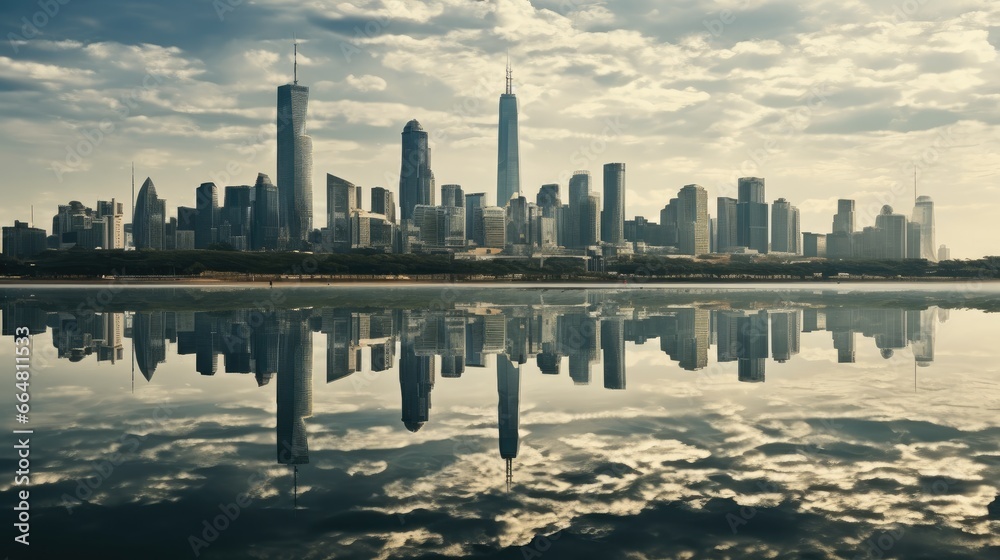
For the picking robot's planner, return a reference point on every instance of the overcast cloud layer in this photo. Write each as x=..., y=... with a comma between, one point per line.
x=831, y=100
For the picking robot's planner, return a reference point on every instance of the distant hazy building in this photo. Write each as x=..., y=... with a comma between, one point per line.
x=22, y=241
x=692, y=220
x=416, y=180
x=813, y=244
x=726, y=227
x=785, y=233
x=150, y=218
x=843, y=220
x=518, y=221
x=923, y=216
x=943, y=253
x=751, y=215
x=613, y=217
x=508, y=157
x=237, y=209
x=295, y=190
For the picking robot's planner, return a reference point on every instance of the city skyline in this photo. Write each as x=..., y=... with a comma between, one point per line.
x=363, y=90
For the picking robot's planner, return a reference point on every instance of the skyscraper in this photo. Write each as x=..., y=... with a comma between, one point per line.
x=613, y=217
x=785, y=232
x=843, y=220
x=692, y=220
x=474, y=202
x=294, y=162
x=416, y=180
x=751, y=215
x=341, y=200
x=923, y=214
x=508, y=158
x=891, y=234
x=726, y=216
x=149, y=220
x=265, y=229
x=207, y=217
x=579, y=189
x=452, y=195
x=383, y=202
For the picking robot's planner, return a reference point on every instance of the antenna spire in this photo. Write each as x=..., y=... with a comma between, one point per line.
x=914, y=184
x=509, y=74
x=295, y=63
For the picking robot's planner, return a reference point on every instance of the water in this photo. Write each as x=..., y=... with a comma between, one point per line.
x=846, y=421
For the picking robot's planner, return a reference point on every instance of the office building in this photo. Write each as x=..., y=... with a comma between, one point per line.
x=813, y=244
x=416, y=180
x=508, y=157
x=692, y=220
x=294, y=167
x=923, y=216
x=751, y=215
x=613, y=217
x=785, y=232
x=22, y=241
x=150, y=219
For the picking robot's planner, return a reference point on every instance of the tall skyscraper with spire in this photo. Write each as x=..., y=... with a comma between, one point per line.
x=294, y=161
x=508, y=158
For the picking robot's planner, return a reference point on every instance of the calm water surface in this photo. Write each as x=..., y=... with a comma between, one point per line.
x=846, y=421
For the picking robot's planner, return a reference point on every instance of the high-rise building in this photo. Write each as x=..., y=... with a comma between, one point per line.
x=891, y=234
x=341, y=201
x=726, y=228
x=384, y=202
x=613, y=217
x=813, y=244
x=494, y=227
x=589, y=220
x=785, y=232
x=237, y=209
x=508, y=158
x=207, y=218
x=22, y=241
x=923, y=215
x=150, y=219
x=474, y=203
x=843, y=220
x=518, y=221
x=751, y=215
x=579, y=193
x=295, y=191
x=548, y=200
x=944, y=253
x=266, y=229
x=416, y=180
x=452, y=195
x=692, y=220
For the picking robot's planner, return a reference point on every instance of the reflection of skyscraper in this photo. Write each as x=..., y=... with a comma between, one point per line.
x=148, y=342
x=580, y=340
x=294, y=392
x=508, y=409
x=922, y=334
x=752, y=340
x=784, y=334
x=416, y=379
x=613, y=345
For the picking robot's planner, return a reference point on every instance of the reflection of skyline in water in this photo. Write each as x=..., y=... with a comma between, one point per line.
x=279, y=343
x=673, y=453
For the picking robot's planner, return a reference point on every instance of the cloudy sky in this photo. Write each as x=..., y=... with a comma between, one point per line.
x=840, y=99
